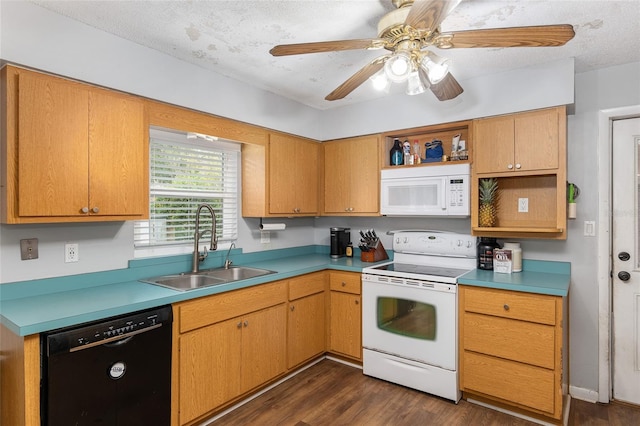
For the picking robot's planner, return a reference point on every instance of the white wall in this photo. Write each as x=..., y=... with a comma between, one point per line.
x=37, y=38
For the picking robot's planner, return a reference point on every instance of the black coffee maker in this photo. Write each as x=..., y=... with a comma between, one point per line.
x=340, y=238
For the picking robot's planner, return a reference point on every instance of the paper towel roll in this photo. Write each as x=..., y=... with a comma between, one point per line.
x=272, y=226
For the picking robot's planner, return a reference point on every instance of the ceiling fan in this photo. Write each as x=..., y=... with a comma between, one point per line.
x=408, y=32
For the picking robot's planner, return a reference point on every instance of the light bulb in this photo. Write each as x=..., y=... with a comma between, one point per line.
x=435, y=66
x=380, y=81
x=397, y=67
x=414, y=85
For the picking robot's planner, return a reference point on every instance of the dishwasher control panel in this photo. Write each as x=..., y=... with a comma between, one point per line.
x=105, y=331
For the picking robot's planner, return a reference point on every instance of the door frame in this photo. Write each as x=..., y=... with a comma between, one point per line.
x=604, y=244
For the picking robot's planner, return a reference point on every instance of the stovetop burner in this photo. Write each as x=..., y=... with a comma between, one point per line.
x=436, y=271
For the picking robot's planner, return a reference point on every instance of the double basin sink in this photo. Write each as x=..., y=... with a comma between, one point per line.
x=208, y=277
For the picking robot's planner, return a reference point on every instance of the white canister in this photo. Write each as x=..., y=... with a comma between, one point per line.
x=516, y=255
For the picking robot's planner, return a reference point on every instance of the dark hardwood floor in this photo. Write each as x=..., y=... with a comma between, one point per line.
x=331, y=393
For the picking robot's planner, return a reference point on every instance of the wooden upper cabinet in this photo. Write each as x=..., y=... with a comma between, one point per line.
x=352, y=176
x=522, y=142
x=72, y=152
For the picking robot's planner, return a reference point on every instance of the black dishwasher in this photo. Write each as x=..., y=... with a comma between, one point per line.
x=113, y=372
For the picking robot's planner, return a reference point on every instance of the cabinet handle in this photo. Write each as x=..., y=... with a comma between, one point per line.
x=240, y=324
x=509, y=166
x=292, y=308
x=357, y=302
x=506, y=307
x=95, y=210
x=343, y=284
x=246, y=323
x=85, y=210
x=518, y=166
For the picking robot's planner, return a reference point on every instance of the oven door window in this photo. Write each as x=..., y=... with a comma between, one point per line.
x=406, y=318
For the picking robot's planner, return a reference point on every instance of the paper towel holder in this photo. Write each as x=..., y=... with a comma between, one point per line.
x=272, y=226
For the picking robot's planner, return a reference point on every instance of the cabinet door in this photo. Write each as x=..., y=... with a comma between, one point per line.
x=345, y=324
x=337, y=177
x=118, y=155
x=352, y=176
x=52, y=148
x=493, y=145
x=306, y=329
x=264, y=340
x=293, y=175
x=536, y=140
x=210, y=360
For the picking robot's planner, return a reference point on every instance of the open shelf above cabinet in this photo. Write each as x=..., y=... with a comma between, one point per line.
x=443, y=132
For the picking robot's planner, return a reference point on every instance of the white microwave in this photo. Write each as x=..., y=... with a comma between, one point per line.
x=441, y=190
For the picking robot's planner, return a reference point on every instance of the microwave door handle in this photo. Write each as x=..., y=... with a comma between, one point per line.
x=443, y=194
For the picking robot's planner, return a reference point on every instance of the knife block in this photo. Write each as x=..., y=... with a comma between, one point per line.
x=374, y=255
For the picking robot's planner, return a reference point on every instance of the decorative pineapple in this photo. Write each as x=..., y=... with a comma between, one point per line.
x=488, y=202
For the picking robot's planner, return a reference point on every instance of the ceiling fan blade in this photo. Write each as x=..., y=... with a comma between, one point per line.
x=357, y=79
x=448, y=88
x=535, y=36
x=429, y=14
x=326, y=46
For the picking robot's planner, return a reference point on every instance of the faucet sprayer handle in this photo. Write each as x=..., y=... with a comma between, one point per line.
x=204, y=255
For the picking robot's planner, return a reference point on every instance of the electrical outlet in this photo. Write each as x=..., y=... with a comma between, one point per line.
x=265, y=237
x=71, y=253
x=29, y=249
x=523, y=205
x=589, y=228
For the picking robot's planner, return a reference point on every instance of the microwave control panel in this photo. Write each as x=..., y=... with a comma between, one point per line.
x=458, y=195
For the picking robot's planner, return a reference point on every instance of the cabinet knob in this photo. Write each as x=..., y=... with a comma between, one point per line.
x=240, y=324
x=506, y=307
x=95, y=210
x=296, y=210
x=246, y=323
x=509, y=166
x=85, y=210
x=292, y=308
x=357, y=302
x=518, y=166
x=343, y=284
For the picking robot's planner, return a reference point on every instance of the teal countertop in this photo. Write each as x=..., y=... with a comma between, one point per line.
x=537, y=276
x=30, y=307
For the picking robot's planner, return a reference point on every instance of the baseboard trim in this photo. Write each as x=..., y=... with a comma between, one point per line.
x=583, y=394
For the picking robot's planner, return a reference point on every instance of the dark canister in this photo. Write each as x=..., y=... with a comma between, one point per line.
x=485, y=252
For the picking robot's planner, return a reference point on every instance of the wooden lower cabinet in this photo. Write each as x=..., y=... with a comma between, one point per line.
x=226, y=345
x=345, y=322
x=306, y=318
x=511, y=349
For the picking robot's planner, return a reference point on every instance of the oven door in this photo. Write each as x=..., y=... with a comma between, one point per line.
x=411, y=322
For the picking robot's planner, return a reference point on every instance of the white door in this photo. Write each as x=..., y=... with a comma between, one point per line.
x=626, y=260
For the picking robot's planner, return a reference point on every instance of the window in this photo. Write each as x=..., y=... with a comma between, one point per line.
x=187, y=170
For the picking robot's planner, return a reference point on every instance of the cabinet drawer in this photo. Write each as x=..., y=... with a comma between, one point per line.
x=209, y=310
x=306, y=285
x=525, y=342
x=520, y=383
x=345, y=282
x=508, y=304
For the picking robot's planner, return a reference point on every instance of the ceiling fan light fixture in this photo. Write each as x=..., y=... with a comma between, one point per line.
x=398, y=66
x=435, y=66
x=414, y=84
x=380, y=82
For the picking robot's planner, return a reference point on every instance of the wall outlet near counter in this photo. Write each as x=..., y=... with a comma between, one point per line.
x=265, y=237
x=71, y=253
x=523, y=205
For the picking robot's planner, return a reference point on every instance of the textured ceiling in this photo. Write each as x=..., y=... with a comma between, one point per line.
x=233, y=38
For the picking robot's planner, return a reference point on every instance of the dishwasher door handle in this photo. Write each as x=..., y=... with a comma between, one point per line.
x=119, y=339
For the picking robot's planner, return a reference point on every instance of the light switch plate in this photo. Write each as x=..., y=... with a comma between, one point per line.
x=265, y=237
x=589, y=228
x=29, y=249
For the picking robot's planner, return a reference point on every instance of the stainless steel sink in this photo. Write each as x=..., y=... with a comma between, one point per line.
x=236, y=273
x=207, y=278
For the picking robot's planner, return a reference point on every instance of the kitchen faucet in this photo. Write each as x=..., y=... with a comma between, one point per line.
x=227, y=262
x=197, y=257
